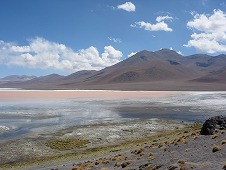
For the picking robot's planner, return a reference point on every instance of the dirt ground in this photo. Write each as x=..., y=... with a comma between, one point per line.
x=103, y=138
x=184, y=150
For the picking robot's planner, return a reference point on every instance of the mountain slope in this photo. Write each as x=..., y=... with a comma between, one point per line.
x=79, y=75
x=205, y=63
x=146, y=66
x=215, y=76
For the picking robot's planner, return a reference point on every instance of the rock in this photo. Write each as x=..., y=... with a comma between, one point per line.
x=213, y=124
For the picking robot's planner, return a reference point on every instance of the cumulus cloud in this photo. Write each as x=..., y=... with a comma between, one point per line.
x=159, y=26
x=111, y=55
x=115, y=40
x=209, y=32
x=128, y=6
x=41, y=53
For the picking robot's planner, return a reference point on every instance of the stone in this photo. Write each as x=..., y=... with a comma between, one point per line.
x=213, y=124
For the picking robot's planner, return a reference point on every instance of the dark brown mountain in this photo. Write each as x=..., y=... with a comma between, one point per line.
x=80, y=74
x=213, y=77
x=168, y=54
x=205, y=63
x=146, y=66
x=160, y=70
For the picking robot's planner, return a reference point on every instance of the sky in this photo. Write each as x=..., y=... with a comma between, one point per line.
x=64, y=36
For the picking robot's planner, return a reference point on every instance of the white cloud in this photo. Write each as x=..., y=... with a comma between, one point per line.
x=111, y=55
x=131, y=54
x=44, y=54
x=115, y=40
x=128, y=6
x=162, y=18
x=159, y=26
x=210, y=32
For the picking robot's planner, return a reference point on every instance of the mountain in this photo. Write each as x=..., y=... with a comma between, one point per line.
x=80, y=74
x=169, y=55
x=160, y=70
x=43, y=82
x=205, y=63
x=143, y=67
x=76, y=78
x=49, y=78
x=215, y=76
x=17, y=78
x=148, y=66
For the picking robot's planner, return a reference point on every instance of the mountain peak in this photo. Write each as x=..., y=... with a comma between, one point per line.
x=166, y=51
x=143, y=52
x=169, y=54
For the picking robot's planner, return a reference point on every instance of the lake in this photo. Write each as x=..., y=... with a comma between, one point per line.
x=23, y=112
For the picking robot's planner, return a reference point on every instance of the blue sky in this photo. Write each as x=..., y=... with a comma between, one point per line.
x=63, y=36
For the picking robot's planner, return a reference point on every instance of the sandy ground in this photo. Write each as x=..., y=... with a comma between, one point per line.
x=114, y=95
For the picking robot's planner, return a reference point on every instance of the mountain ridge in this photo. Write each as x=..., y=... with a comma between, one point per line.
x=17, y=78
x=144, y=68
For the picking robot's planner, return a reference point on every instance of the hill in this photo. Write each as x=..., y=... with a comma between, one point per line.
x=17, y=78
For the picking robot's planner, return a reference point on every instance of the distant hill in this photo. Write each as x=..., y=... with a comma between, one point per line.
x=17, y=78
x=160, y=70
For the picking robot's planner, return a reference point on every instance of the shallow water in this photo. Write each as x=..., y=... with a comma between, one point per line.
x=19, y=117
